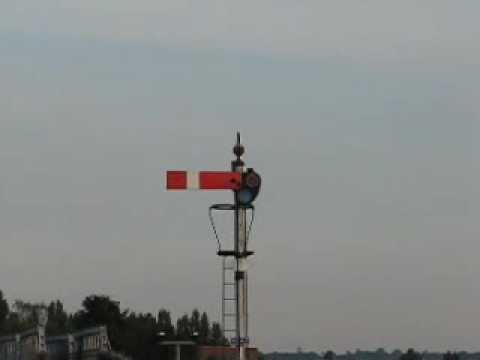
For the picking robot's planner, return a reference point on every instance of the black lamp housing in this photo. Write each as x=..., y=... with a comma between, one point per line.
x=251, y=182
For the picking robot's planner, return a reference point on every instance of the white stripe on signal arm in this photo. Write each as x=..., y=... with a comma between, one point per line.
x=193, y=180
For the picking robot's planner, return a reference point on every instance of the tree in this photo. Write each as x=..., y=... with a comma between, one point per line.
x=26, y=312
x=164, y=324
x=396, y=354
x=329, y=355
x=101, y=310
x=451, y=356
x=57, y=319
x=204, y=330
x=139, y=335
x=217, y=337
x=4, y=311
x=98, y=310
x=195, y=321
x=24, y=315
x=411, y=354
x=380, y=352
x=183, y=330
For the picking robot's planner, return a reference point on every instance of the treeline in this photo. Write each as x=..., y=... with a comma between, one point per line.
x=133, y=334
x=379, y=354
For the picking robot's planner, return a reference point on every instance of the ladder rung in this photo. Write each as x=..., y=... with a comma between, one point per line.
x=229, y=330
x=237, y=254
x=229, y=299
x=229, y=314
x=229, y=284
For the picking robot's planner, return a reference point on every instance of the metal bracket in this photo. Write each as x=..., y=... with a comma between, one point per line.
x=230, y=207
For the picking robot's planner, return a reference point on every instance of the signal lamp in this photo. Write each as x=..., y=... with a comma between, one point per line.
x=250, y=188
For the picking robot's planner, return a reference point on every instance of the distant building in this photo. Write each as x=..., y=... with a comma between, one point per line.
x=33, y=345
x=23, y=346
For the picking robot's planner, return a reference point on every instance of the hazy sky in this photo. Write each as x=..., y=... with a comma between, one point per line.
x=361, y=116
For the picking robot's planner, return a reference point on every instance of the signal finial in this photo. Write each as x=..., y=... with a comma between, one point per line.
x=238, y=150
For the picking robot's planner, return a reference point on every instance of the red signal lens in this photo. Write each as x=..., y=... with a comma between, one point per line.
x=252, y=180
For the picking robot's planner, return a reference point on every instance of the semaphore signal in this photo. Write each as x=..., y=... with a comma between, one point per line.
x=245, y=184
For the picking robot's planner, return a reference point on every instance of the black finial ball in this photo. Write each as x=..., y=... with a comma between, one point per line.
x=238, y=150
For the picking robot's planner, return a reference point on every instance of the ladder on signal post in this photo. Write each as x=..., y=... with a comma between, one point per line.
x=229, y=298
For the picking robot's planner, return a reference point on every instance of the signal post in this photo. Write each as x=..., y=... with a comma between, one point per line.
x=245, y=184
x=240, y=246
